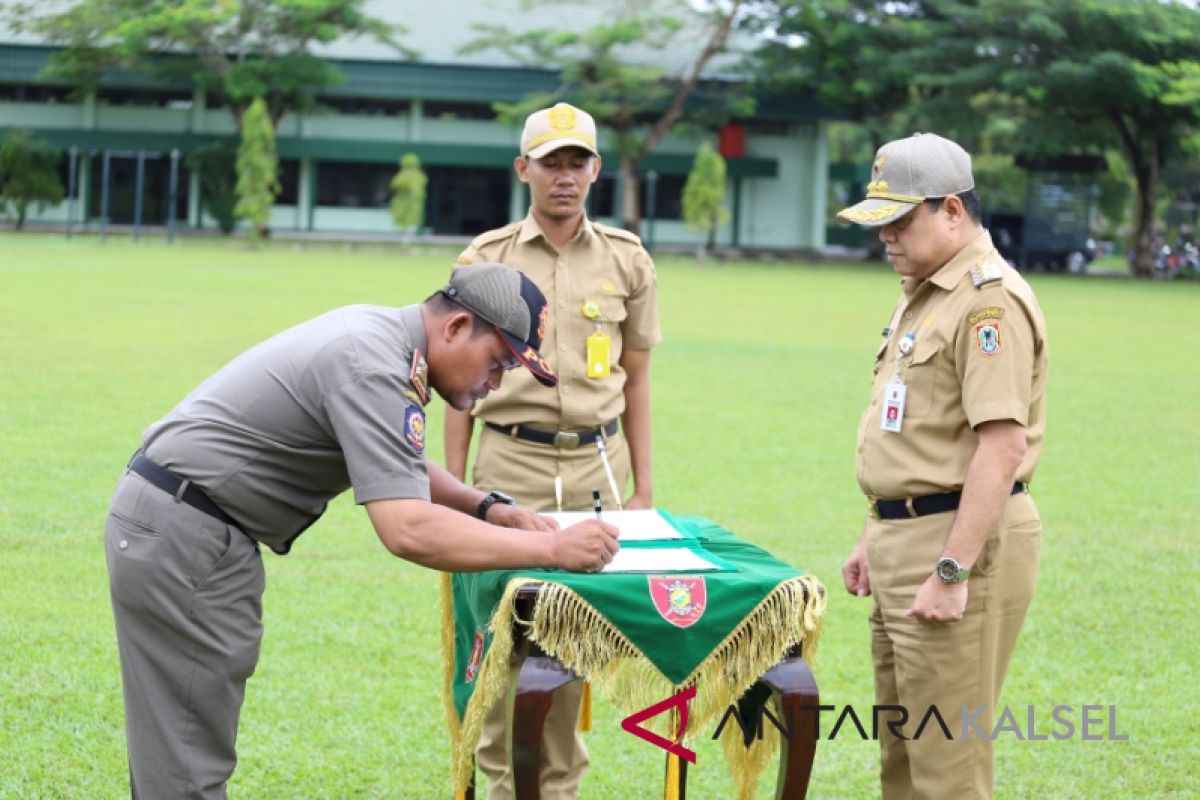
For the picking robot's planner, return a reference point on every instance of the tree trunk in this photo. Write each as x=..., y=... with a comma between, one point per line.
x=631, y=212
x=1143, y=221
x=22, y=208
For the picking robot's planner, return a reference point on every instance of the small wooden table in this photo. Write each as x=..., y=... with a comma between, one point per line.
x=791, y=684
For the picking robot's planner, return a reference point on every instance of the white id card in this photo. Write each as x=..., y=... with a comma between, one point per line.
x=893, y=407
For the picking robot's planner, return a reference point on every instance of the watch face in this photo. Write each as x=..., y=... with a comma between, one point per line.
x=948, y=569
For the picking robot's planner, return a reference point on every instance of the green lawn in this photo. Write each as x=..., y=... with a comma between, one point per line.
x=757, y=390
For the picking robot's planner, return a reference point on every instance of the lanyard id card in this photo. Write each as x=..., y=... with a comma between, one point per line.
x=892, y=417
x=598, y=347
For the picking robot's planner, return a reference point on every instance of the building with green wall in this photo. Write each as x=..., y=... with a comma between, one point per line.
x=336, y=162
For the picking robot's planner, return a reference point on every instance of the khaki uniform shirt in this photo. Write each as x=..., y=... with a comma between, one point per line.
x=603, y=265
x=978, y=355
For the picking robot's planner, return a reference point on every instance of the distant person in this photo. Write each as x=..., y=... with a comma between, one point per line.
x=253, y=455
x=543, y=448
x=946, y=451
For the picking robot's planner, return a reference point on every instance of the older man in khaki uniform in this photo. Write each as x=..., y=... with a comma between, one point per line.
x=946, y=452
x=546, y=448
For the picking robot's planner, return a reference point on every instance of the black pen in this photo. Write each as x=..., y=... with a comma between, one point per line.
x=596, y=501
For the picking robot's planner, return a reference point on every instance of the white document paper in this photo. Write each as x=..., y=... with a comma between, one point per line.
x=659, y=559
x=639, y=525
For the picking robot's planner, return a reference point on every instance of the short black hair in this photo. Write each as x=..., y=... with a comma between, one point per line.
x=970, y=201
x=442, y=303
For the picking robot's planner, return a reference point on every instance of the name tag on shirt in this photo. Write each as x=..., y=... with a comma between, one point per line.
x=598, y=348
x=893, y=407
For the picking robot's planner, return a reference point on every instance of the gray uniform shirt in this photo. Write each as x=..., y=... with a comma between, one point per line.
x=295, y=421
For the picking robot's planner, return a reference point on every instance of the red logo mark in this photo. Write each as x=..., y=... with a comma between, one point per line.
x=680, y=601
x=476, y=656
x=631, y=724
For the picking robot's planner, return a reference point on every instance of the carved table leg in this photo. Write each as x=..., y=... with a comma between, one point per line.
x=539, y=678
x=792, y=687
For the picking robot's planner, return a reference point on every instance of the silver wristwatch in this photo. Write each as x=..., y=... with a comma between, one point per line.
x=950, y=571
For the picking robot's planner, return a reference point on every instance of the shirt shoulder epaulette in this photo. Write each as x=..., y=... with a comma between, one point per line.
x=986, y=272
x=495, y=235
x=617, y=233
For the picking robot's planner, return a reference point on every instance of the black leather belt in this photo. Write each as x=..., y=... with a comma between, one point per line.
x=567, y=440
x=170, y=483
x=923, y=506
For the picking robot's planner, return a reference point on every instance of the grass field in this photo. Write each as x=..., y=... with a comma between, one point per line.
x=757, y=390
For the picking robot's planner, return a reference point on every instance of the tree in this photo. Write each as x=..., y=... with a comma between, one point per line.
x=1076, y=76
x=1097, y=71
x=600, y=71
x=28, y=175
x=703, y=195
x=408, y=194
x=257, y=168
x=216, y=165
x=241, y=49
x=855, y=56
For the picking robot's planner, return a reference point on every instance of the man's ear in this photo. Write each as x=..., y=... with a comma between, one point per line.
x=521, y=167
x=456, y=325
x=952, y=204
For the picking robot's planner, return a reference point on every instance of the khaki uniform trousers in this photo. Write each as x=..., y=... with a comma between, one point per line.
x=526, y=471
x=920, y=664
x=187, y=599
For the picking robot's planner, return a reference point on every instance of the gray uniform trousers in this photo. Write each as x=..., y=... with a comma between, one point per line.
x=187, y=601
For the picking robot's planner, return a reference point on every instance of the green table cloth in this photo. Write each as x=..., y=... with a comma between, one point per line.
x=637, y=637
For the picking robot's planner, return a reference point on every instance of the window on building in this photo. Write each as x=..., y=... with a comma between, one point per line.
x=767, y=127
x=466, y=200
x=345, y=184
x=122, y=189
x=32, y=93
x=602, y=197
x=668, y=196
x=146, y=98
x=363, y=106
x=438, y=110
x=289, y=183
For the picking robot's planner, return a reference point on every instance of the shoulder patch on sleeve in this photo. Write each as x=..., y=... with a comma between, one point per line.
x=617, y=233
x=985, y=272
x=991, y=312
x=414, y=428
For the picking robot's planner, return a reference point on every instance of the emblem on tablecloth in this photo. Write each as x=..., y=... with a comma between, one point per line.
x=476, y=657
x=679, y=600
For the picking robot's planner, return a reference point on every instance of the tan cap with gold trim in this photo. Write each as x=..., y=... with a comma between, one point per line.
x=561, y=126
x=906, y=173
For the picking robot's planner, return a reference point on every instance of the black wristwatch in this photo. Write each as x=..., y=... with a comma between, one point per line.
x=489, y=500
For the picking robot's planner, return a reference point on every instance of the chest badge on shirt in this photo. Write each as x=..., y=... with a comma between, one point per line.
x=987, y=338
x=678, y=599
x=414, y=428
x=419, y=376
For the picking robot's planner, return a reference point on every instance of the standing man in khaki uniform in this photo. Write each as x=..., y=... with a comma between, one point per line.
x=946, y=452
x=546, y=447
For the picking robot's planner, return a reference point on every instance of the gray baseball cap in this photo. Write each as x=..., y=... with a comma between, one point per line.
x=906, y=173
x=514, y=305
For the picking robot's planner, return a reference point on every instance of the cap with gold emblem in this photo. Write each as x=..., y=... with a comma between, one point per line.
x=906, y=173
x=561, y=126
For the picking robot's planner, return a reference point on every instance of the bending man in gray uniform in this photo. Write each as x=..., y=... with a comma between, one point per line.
x=253, y=456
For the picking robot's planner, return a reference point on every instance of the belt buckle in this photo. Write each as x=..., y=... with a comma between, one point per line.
x=566, y=440
x=873, y=508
